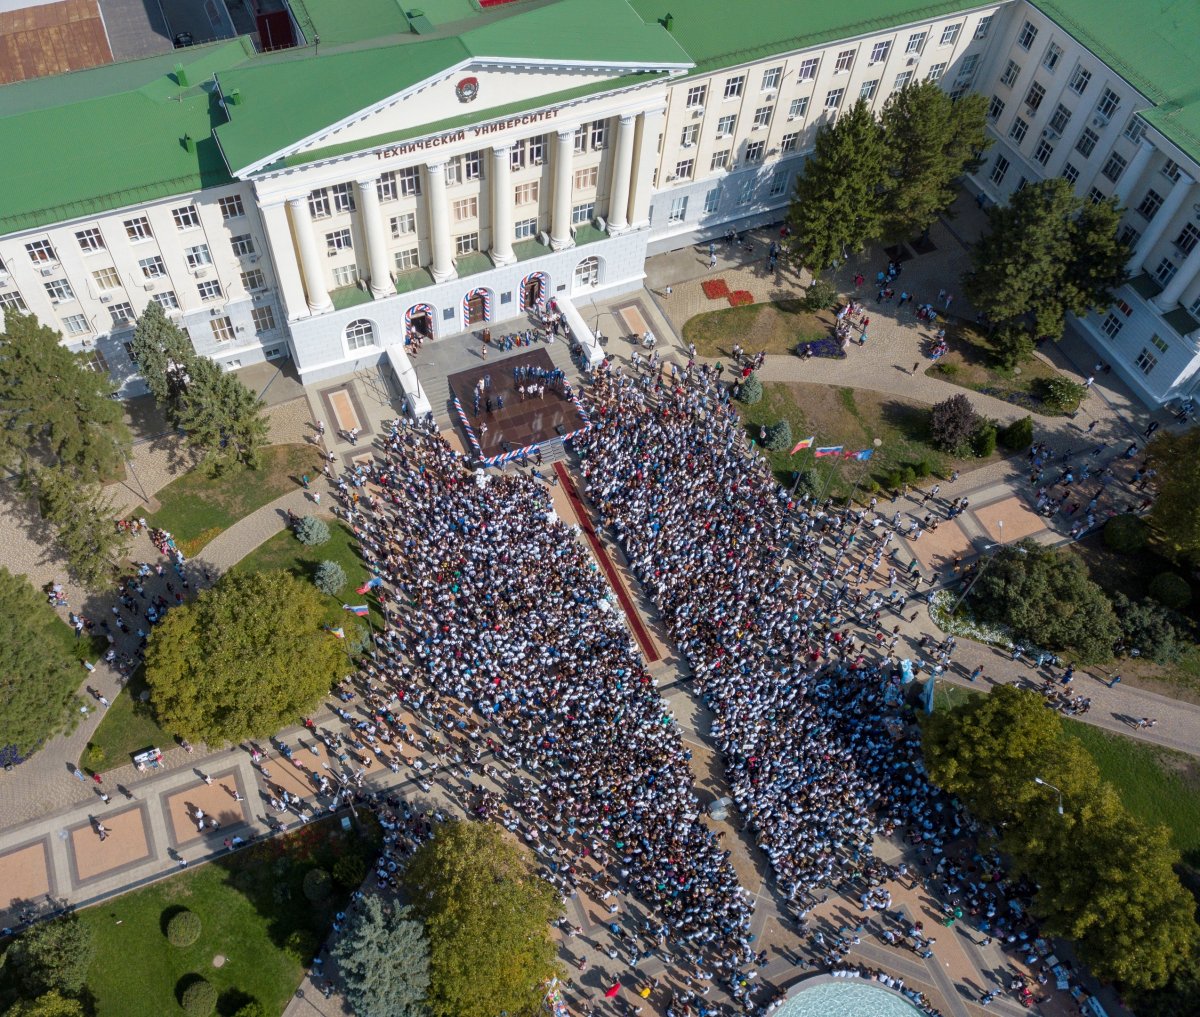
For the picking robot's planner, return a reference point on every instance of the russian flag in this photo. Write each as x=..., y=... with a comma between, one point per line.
x=831, y=450
x=362, y=610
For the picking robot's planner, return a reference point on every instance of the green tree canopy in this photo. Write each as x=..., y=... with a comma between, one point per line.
x=931, y=140
x=837, y=207
x=1176, y=512
x=383, y=956
x=487, y=914
x=53, y=955
x=1048, y=253
x=52, y=1004
x=244, y=658
x=83, y=520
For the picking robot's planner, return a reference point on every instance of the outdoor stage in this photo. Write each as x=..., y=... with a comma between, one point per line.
x=523, y=424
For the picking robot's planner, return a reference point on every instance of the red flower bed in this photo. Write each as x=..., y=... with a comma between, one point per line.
x=739, y=298
x=715, y=289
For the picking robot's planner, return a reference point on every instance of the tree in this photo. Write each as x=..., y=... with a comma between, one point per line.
x=1149, y=628
x=311, y=531
x=931, y=140
x=751, y=390
x=486, y=913
x=163, y=355
x=83, y=520
x=837, y=207
x=1048, y=253
x=244, y=658
x=1170, y=590
x=1176, y=512
x=199, y=998
x=1126, y=534
x=1061, y=395
x=1018, y=435
x=383, y=955
x=330, y=578
x=779, y=436
x=952, y=422
x=52, y=1004
x=52, y=955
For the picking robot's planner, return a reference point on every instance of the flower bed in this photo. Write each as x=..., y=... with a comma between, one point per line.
x=965, y=624
x=739, y=298
x=715, y=289
x=829, y=348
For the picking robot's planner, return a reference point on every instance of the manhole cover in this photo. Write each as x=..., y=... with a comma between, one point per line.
x=219, y=961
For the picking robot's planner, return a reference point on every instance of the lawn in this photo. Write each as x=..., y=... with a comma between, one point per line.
x=196, y=507
x=853, y=418
x=129, y=725
x=774, y=327
x=254, y=914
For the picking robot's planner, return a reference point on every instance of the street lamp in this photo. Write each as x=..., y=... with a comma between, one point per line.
x=1045, y=783
x=877, y=442
x=982, y=569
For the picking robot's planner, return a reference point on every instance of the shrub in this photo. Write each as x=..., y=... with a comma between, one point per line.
x=311, y=531
x=740, y=298
x=52, y=955
x=894, y=479
x=908, y=475
x=983, y=441
x=251, y=1009
x=951, y=424
x=1170, y=590
x=1126, y=534
x=317, y=885
x=715, y=289
x=751, y=390
x=819, y=296
x=302, y=945
x=946, y=370
x=183, y=929
x=779, y=437
x=1149, y=628
x=1018, y=435
x=330, y=578
x=1061, y=395
x=199, y=998
x=1011, y=345
x=349, y=871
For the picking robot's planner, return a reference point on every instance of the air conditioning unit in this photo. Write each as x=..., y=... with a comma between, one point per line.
x=687, y=144
x=599, y=223
x=1099, y=120
x=106, y=298
x=253, y=259
x=175, y=313
x=769, y=97
x=147, y=286
x=332, y=254
x=48, y=270
x=199, y=273
x=912, y=61
x=670, y=177
x=240, y=328
x=697, y=111
x=1050, y=133
x=543, y=238
x=215, y=312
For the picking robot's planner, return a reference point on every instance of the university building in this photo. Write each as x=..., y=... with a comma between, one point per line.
x=349, y=174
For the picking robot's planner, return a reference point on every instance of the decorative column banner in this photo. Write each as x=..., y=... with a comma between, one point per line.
x=410, y=331
x=487, y=304
x=543, y=283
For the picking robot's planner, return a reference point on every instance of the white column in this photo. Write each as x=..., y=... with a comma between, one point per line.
x=1180, y=282
x=439, y=222
x=283, y=258
x=377, y=255
x=310, y=256
x=502, y=206
x=560, y=220
x=1162, y=219
x=644, y=161
x=622, y=170
x=1133, y=172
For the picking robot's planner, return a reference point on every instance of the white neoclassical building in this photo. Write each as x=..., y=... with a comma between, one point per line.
x=427, y=172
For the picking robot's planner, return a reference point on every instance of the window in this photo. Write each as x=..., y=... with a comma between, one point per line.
x=999, y=169
x=263, y=318
x=689, y=135
x=983, y=27
x=868, y=90
x=197, y=256
x=966, y=70
x=1018, y=130
x=587, y=178
x=734, y=86
x=466, y=243
x=526, y=229
x=762, y=116
x=684, y=169
x=755, y=151
x=833, y=98
x=76, y=324
x=1060, y=119
x=916, y=42
x=527, y=194
x=950, y=34
x=1194, y=309
x=90, y=240
x=1026, y=36
x=583, y=214
x=14, y=300
x=1187, y=239
x=1166, y=271
x=1079, y=81
x=318, y=204
x=902, y=80
x=1109, y=101
x=59, y=290
x=1171, y=170
x=94, y=360
x=222, y=329
x=599, y=134
x=345, y=275
x=409, y=180
x=186, y=217
x=408, y=259
x=1052, y=57
x=340, y=240
x=798, y=108
x=254, y=280
x=1043, y=151
x=1135, y=130
x=1129, y=237
x=678, y=210
x=995, y=108
x=121, y=314
x=343, y=197
x=936, y=72
x=242, y=245
x=452, y=171
x=138, y=229
x=1159, y=343
x=166, y=300
x=779, y=183
x=1095, y=195
x=401, y=225
x=580, y=139
x=537, y=151
x=210, y=289
x=385, y=187
x=1146, y=361
x=807, y=70
x=41, y=251
x=1034, y=97
x=1114, y=167
x=770, y=78
x=696, y=96
x=516, y=156
x=712, y=201
x=465, y=209
x=845, y=60
x=587, y=272
x=1150, y=204
x=1011, y=73
x=1111, y=325
x=1087, y=142
x=880, y=51
x=719, y=160
x=726, y=125
x=1070, y=173
x=107, y=279
x=231, y=207
x=789, y=142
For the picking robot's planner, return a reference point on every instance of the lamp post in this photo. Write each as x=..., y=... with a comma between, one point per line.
x=877, y=442
x=1044, y=783
x=982, y=569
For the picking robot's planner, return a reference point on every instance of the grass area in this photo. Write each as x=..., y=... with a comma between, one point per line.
x=774, y=327
x=253, y=912
x=853, y=418
x=129, y=726
x=970, y=363
x=196, y=507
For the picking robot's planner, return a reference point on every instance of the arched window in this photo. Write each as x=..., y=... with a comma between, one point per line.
x=359, y=333
x=587, y=273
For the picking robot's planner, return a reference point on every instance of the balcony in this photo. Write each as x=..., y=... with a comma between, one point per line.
x=349, y=296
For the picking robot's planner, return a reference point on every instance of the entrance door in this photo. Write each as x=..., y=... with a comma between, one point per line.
x=420, y=325
x=475, y=310
x=533, y=290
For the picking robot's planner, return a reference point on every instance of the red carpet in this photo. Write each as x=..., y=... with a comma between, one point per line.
x=584, y=518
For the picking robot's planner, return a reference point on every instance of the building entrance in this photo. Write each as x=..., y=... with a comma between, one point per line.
x=476, y=309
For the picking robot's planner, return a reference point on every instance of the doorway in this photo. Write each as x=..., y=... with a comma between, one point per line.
x=421, y=326
x=533, y=293
x=476, y=309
